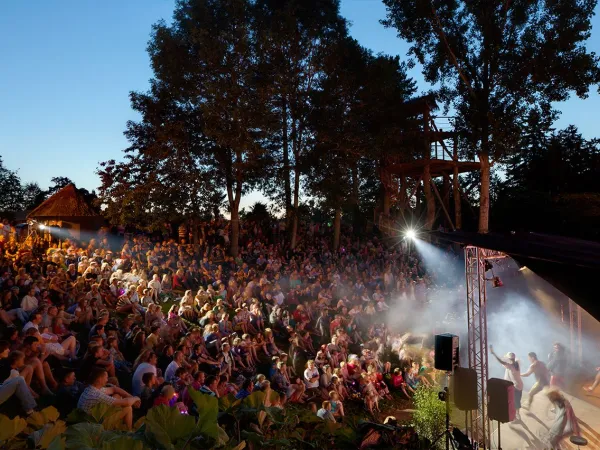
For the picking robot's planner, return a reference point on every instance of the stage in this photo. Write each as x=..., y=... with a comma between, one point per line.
x=529, y=433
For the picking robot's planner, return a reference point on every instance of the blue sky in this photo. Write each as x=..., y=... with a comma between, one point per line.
x=67, y=67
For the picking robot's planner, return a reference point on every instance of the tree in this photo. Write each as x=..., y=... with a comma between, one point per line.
x=57, y=184
x=32, y=196
x=11, y=194
x=494, y=61
x=294, y=38
x=206, y=117
x=551, y=186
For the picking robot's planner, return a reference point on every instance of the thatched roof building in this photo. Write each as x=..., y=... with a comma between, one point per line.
x=67, y=209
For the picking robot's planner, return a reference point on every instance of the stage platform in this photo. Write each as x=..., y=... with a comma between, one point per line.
x=529, y=433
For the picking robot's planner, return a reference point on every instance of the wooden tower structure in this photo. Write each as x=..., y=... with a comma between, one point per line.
x=435, y=155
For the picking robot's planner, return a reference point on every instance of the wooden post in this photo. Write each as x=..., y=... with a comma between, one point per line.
x=435, y=189
x=446, y=190
x=429, y=199
x=455, y=189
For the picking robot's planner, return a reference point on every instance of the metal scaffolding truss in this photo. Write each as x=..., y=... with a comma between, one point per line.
x=477, y=421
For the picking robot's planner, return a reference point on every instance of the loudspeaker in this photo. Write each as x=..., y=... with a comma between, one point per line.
x=465, y=389
x=446, y=352
x=501, y=400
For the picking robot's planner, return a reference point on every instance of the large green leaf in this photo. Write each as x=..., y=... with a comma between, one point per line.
x=78, y=416
x=254, y=400
x=165, y=426
x=10, y=428
x=208, y=410
x=47, y=415
x=84, y=436
x=43, y=437
x=58, y=443
x=223, y=438
x=123, y=442
x=228, y=402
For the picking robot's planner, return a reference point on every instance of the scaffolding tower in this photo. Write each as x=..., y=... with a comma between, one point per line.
x=477, y=421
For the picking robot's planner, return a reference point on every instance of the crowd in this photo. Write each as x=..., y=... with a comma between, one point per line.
x=140, y=322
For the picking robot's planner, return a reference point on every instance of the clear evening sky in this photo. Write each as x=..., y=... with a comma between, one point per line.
x=67, y=67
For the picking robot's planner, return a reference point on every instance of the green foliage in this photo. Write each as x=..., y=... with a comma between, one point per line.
x=430, y=415
x=168, y=429
x=208, y=410
x=10, y=428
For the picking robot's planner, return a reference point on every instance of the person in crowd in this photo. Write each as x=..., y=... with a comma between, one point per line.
x=246, y=390
x=97, y=392
x=325, y=412
x=12, y=383
x=69, y=391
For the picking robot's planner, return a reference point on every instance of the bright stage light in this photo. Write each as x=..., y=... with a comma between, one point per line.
x=410, y=234
x=42, y=226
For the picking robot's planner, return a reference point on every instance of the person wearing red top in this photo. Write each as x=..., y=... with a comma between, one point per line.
x=300, y=316
x=399, y=383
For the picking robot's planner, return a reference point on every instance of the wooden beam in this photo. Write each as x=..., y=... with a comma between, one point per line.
x=435, y=189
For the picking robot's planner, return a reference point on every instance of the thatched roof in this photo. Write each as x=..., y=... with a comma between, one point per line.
x=64, y=204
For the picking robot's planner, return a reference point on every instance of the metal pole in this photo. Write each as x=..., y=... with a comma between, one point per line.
x=579, y=340
x=499, y=441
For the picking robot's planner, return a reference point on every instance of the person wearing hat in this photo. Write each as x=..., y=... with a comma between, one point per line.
x=512, y=374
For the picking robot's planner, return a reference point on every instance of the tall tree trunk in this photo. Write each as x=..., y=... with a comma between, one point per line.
x=446, y=193
x=386, y=202
x=429, y=200
x=296, y=199
x=235, y=229
x=403, y=201
x=456, y=188
x=337, y=225
x=286, y=162
x=457, y=200
x=234, y=197
x=418, y=199
x=484, y=193
x=194, y=225
x=356, y=222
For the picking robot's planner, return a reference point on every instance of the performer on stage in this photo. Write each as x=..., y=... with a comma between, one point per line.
x=542, y=378
x=512, y=374
x=596, y=381
x=557, y=364
x=565, y=424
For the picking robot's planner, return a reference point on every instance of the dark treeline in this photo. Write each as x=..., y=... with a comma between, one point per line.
x=276, y=96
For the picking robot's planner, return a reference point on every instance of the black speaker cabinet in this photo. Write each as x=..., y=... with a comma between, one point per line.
x=501, y=400
x=465, y=389
x=446, y=352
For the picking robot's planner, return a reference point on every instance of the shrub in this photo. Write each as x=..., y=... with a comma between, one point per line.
x=430, y=415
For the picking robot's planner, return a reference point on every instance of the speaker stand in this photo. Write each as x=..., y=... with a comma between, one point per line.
x=447, y=434
x=499, y=441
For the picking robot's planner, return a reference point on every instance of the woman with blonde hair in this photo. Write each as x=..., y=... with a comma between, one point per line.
x=187, y=306
x=565, y=424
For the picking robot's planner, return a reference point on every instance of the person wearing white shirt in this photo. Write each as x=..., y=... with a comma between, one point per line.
x=145, y=367
x=29, y=303
x=513, y=374
x=173, y=366
x=34, y=322
x=311, y=375
x=155, y=286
